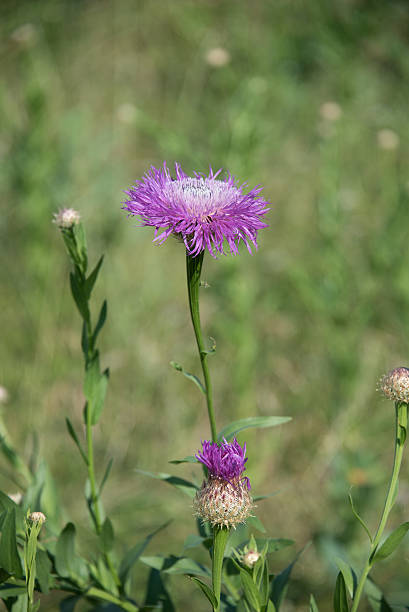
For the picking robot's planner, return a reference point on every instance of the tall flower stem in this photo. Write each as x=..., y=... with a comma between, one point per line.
x=220, y=537
x=400, y=437
x=193, y=270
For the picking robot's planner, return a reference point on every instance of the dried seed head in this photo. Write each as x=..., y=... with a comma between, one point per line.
x=395, y=385
x=222, y=503
x=66, y=218
x=37, y=517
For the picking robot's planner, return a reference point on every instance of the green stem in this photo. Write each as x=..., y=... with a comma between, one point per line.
x=220, y=537
x=400, y=436
x=99, y=594
x=95, y=513
x=193, y=270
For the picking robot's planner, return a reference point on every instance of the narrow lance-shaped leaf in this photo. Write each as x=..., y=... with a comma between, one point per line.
x=235, y=427
x=101, y=321
x=348, y=574
x=180, y=483
x=355, y=513
x=340, y=595
x=206, y=590
x=135, y=552
x=313, y=604
x=90, y=282
x=392, y=542
x=74, y=436
x=188, y=375
x=9, y=557
x=250, y=589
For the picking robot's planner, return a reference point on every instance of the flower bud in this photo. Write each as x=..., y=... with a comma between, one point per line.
x=395, y=385
x=66, y=218
x=250, y=558
x=37, y=517
x=224, y=499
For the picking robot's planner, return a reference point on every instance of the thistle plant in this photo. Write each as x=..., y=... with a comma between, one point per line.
x=211, y=214
x=394, y=386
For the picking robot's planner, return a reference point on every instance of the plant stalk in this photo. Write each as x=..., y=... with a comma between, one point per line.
x=193, y=270
x=400, y=436
x=220, y=537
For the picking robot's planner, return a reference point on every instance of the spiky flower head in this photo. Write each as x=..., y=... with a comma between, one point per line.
x=37, y=517
x=395, y=385
x=66, y=218
x=206, y=212
x=224, y=499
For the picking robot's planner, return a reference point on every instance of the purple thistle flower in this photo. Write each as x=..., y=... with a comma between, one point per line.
x=204, y=211
x=225, y=461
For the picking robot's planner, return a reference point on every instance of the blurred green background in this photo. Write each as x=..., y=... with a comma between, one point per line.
x=308, y=98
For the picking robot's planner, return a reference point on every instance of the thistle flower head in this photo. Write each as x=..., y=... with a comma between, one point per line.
x=224, y=499
x=206, y=212
x=226, y=461
x=66, y=218
x=395, y=385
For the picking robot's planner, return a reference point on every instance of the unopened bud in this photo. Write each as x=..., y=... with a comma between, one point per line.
x=37, y=517
x=250, y=558
x=395, y=385
x=66, y=218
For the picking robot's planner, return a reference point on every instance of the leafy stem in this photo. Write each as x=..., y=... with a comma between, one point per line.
x=193, y=270
x=400, y=437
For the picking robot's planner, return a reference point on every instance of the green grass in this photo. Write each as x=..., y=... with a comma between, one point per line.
x=92, y=95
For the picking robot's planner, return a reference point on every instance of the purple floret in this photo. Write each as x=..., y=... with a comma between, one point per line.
x=226, y=461
x=204, y=211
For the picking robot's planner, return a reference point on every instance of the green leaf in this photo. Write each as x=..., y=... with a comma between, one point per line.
x=235, y=427
x=9, y=557
x=188, y=375
x=90, y=282
x=264, y=585
x=79, y=233
x=280, y=585
x=3, y=575
x=391, y=543
x=156, y=594
x=271, y=607
x=176, y=565
x=206, y=590
x=355, y=513
x=313, y=604
x=105, y=476
x=255, y=522
x=44, y=567
x=106, y=537
x=135, y=552
x=65, y=551
x=193, y=541
x=95, y=386
x=67, y=562
x=180, y=483
x=188, y=459
x=79, y=297
x=250, y=589
x=8, y=590
x=340, y=595
x=376, y=599
x=348, y=574
x=74, y=436
x=101, y=321
x=6, y=503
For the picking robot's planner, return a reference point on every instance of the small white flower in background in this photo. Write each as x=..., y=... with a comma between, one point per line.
x=4, y=395
x=250, y=558
x=37, y=517
x=25, y=35
x=217, y=57
x=15, y=497
x=330, y=111
x=127, y=112
x=66, y=218
x=387, y=139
